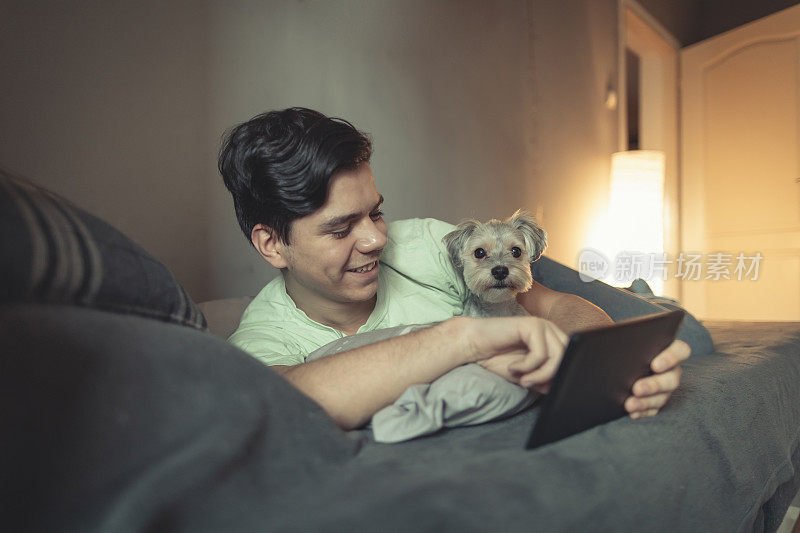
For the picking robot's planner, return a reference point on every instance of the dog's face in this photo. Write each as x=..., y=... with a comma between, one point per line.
x=494, y=257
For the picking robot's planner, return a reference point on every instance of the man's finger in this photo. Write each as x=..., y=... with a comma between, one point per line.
x=541, y=375
x=644, y=414
x=537, y=351
x=555, y=345
x=658, y=383
x=672, y=356
x=542, y=343
x=657, y=401
x=530, y=362
x=544, y=373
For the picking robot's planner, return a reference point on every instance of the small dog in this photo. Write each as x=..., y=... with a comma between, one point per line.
x=495, y=259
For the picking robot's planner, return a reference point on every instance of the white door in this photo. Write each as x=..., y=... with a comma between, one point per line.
x=740, y=193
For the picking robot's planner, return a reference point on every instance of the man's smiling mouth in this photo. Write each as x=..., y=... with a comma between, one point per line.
x=365, y=268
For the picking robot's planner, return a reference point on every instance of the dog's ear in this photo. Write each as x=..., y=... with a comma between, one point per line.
x=535, y=237
x=455, y=240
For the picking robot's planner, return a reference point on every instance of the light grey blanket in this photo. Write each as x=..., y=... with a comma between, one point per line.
x=465, y=396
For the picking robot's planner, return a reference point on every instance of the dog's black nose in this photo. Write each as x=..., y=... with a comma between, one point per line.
x=500, y=272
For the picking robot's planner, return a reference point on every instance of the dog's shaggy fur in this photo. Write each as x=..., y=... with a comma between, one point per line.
x=495, y=259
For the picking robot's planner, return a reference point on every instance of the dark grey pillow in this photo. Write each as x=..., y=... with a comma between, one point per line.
x=51, y=251
x=118, y=423
x=619, y=304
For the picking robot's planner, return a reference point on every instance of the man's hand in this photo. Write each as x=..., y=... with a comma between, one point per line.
x=532, y=359
x=524, y=350
x=572, y=313
x=651, y=393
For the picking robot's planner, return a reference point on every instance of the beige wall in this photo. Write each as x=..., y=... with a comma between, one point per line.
x=442, y=87
x=476, y=108
x=575, y=55
x=105, y=103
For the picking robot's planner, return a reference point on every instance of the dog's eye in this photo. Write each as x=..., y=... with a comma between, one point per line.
x=480, y=253
x=516, y=252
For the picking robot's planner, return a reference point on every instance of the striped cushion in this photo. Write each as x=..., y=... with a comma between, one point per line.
x=52, y=251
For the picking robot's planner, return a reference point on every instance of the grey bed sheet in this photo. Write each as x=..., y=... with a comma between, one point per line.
x=150, y=426
x=723, y=455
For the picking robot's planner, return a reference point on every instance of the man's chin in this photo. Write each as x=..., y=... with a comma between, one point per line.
x=362, y=294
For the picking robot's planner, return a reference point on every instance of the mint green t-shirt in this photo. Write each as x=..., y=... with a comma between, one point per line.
x=416, y=285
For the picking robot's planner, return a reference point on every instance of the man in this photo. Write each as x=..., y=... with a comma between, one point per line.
x=306, y=199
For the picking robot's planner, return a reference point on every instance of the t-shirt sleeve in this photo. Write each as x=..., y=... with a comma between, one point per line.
x=266, y=330
x=267, y=347
x=416, y=250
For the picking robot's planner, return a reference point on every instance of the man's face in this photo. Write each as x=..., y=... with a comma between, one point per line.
x=328, y=246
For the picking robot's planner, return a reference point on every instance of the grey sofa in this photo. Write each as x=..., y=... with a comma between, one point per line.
x=121, y=412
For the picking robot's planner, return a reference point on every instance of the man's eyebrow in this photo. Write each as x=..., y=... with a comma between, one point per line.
x=338, y=221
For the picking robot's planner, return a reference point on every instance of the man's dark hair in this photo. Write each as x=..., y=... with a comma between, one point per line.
x=277, y=165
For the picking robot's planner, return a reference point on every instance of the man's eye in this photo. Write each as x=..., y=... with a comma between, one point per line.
x=341, y=234
x=480, y=253
x=376, y=215
x=516, y=252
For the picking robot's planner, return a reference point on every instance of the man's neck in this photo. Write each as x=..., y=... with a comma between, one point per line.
x=346, y=317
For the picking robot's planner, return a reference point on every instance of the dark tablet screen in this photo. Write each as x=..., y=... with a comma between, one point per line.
x=597, y=373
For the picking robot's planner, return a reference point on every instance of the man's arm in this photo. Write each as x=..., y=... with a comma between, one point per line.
x=569, y=312
x=352, y=386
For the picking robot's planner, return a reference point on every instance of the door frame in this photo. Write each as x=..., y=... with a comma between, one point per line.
x=660, y=114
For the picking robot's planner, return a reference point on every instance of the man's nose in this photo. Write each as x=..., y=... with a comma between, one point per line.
x=370, y=238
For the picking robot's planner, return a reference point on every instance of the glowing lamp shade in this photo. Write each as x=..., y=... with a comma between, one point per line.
x=636, y=204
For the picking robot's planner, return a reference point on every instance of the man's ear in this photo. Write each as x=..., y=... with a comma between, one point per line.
x=266, y=243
